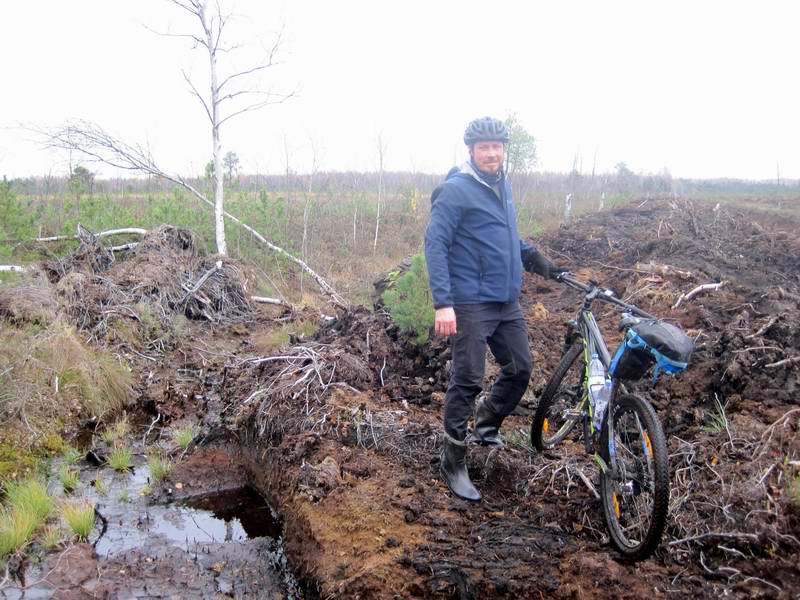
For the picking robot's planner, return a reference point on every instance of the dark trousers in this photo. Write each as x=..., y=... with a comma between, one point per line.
x=503, y=328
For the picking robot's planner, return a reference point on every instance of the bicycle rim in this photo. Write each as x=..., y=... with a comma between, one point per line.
x=562, y=401
x=635, y=501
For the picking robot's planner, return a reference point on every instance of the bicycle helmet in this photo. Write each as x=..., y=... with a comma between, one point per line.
x=486, y=129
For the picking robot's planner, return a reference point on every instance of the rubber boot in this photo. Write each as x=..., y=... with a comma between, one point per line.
x=487, y=426
x=453, y=466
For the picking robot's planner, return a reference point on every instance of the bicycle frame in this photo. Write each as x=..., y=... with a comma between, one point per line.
x=585, y=327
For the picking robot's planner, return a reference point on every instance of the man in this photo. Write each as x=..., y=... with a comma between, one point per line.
x=475, y=260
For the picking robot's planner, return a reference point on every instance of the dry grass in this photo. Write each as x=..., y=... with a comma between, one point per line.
x=51, y=375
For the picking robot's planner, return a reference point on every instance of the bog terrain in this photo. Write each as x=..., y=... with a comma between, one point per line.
x=311, y=466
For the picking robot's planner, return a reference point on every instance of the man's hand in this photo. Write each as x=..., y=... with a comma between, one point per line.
x=445, y=323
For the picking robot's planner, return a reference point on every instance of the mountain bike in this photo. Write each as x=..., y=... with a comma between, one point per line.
x=625, y=437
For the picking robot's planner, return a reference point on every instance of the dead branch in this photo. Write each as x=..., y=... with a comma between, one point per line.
x=715, y=535
x=706, y=287
x=191, y=291
x=662, y=270
x=265, y=300
x=765, y=328
x=785, y=361
x=12, y=268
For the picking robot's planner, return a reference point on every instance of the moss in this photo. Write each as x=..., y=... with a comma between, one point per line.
x=52, y=444
x=16, y=462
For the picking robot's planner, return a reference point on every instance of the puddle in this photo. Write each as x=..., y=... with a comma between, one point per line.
x=232, y=516
x=233, y=539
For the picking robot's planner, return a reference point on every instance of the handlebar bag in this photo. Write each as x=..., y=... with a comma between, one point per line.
x=652, y=343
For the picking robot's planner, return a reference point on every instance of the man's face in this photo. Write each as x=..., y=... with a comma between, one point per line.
x=488, y=156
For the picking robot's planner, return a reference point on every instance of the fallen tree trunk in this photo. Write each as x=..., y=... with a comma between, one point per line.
x=125, y=230
x=11, y=268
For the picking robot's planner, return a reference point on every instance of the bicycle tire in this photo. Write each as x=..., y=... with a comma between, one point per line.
x=540, y=423
x=657, y=459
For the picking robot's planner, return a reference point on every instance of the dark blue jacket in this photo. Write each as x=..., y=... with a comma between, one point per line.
x=472, y=247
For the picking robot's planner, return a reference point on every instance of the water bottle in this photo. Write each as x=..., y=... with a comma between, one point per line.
x=599, y=389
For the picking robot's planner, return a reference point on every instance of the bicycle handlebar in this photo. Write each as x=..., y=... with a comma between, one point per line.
x=598, y=293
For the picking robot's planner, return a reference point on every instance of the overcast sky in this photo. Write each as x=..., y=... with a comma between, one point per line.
x=704, y=89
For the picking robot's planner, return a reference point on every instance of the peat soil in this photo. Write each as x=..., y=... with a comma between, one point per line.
x=340, y=432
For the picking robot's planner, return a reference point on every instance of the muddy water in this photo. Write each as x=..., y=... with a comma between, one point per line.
x=222, y=544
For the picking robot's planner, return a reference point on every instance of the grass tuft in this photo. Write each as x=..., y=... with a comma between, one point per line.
x=30, y=495
x=159, y=465
x=79, y=516
x=69, y=478
x=16, y=528
x=100, y=487
x=183, y=436
x=124, y=496
x=120, y=459
x=716, y=420
x=116, y=432
x=51, y=537
x=71, y=455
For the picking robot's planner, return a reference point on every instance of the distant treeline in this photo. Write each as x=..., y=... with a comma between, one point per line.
x=621, y=182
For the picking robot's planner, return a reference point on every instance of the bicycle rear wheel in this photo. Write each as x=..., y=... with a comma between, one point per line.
x=636, y=500
x=561, y=402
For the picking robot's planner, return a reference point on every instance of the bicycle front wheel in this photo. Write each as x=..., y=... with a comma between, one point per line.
x=636, y=497
x=561, y=403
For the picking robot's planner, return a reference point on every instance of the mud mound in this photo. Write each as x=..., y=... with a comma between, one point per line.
x=402, y=369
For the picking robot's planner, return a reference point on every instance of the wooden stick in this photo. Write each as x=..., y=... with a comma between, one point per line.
x=706, y=287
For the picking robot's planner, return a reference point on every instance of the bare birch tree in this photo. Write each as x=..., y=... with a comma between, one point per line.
x=381, y=148
x=230, y=95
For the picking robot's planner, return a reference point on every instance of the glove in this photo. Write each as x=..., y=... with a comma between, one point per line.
x=536, y=262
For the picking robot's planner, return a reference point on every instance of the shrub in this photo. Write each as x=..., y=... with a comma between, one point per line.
x=408, y=300
x=79, y=516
